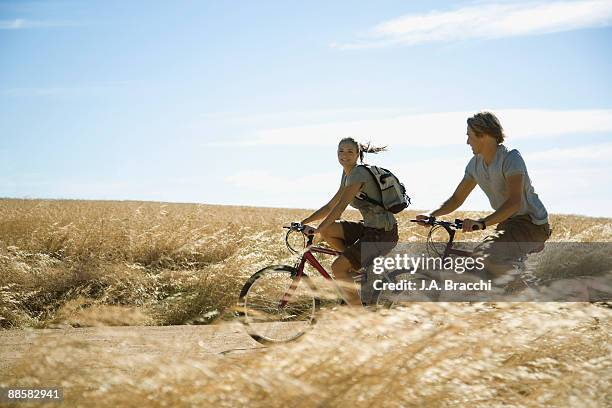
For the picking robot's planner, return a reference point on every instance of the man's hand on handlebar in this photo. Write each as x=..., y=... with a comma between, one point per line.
x=470, y=225
x=466, y=225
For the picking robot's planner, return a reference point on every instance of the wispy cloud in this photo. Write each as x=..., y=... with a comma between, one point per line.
x=583, y=172
x=265, y=181
x=487, y=21
x=438, y=129
x=284, y=187
x=214, y=122
x=20, y=24
x=568, y=180
x=600, y=152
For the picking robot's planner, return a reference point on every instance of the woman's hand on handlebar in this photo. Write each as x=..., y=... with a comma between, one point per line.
x=423, y=219
x=309, y=230
x=470, y=225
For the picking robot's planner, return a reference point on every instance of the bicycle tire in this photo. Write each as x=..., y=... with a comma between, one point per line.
x=259, y=305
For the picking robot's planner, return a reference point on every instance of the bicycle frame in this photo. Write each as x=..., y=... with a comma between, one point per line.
x=527, y=278
x=310, y=258
x=449, y=250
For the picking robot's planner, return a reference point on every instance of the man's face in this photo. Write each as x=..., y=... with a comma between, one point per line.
x=474, y=141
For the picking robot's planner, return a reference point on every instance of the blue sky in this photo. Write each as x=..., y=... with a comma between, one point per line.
x=244, y=102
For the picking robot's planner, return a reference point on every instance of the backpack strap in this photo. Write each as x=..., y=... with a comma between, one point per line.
x=363, y=196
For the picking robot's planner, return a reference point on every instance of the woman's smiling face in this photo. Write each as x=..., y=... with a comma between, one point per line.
x=348, y=154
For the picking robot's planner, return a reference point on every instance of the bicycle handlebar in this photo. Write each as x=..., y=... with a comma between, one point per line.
x=457, y=225
x=296, y=226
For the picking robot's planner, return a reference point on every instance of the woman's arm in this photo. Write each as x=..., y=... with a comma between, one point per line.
x=323, y=211
x=346, y=196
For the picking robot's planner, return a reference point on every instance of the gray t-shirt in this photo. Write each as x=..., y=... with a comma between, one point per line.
x=492, y=180
x=373, y=215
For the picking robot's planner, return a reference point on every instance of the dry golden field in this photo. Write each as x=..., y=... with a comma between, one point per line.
x=94, y=263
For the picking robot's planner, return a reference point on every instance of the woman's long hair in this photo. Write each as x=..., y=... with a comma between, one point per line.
x=363, y=148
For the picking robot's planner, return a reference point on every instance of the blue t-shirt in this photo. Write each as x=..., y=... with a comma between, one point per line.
x=492, y=180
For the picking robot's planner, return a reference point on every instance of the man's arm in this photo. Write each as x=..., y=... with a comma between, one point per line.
x=462, y=191
x=512, y=204
x=346, y=197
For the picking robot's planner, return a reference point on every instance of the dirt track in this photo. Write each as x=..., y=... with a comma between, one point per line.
x=208, y=342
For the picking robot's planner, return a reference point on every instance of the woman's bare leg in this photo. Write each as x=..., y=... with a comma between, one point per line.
x=334, y=236
x=341, y=268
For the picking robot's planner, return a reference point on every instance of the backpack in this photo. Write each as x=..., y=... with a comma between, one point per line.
x=392, y=191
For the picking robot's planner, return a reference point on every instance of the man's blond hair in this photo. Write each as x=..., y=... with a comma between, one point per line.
x=487, y=123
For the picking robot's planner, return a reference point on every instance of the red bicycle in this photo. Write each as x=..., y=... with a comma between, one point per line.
x=279, y=303
x=438, y=246
x=445, y=248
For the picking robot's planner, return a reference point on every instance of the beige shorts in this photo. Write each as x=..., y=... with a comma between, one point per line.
x=513, y=239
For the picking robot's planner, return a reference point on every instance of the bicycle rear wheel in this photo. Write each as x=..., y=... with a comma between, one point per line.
x=276, y=306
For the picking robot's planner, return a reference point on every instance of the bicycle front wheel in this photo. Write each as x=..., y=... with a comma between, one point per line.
x=276, y=305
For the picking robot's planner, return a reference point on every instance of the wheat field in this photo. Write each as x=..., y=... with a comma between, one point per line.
x=70, y=263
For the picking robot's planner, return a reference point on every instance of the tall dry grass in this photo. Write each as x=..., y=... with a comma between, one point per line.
x=427, y=355
x=174, y=263
x=165, y=263
x=85, y=263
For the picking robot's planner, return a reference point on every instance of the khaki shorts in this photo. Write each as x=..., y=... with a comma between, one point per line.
x=379, y=242
x=513, y=239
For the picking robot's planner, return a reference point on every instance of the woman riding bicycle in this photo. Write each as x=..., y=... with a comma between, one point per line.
x=378, y=228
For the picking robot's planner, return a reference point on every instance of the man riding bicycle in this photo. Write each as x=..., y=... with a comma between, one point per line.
x=521, y=218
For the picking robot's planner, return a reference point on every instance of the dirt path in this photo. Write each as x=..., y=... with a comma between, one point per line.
x=208, y=342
